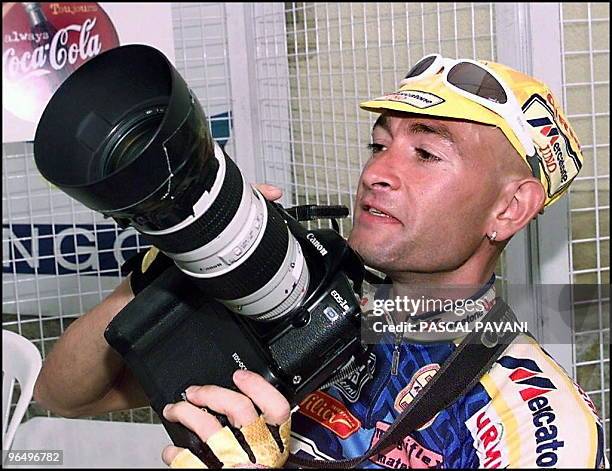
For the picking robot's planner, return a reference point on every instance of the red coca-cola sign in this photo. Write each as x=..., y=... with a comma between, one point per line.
x=42, y=43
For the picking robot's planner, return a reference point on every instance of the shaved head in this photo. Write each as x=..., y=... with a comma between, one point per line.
x=433, y=190
x=510, y=165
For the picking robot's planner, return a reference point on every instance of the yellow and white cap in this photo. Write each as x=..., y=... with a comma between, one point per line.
x=558, y=159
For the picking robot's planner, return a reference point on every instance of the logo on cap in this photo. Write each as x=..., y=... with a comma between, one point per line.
x=559, y=161
x=415, y=98
x=551, y=151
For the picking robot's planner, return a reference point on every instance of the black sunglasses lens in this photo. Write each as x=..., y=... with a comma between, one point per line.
x=477, y=81
x=421, y=67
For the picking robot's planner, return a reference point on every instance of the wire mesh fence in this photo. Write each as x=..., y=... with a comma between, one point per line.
x=586, y=89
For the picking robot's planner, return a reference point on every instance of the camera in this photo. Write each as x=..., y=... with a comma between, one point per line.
x=250, y=287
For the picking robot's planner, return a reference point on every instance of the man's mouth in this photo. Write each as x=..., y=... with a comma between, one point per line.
x=376, y=212
x=379, y=213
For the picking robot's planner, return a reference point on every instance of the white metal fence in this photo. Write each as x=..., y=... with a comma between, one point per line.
x=586, y=93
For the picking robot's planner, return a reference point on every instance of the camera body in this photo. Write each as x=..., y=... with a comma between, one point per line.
x=173, y=335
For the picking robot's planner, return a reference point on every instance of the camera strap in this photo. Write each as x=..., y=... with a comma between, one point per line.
x=310, y=212
x=460, y=372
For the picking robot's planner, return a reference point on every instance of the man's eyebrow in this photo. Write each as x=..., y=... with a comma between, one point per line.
x=418, y=128
x=440, y=131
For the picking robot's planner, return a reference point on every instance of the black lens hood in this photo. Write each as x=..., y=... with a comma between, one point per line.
x=91, y=104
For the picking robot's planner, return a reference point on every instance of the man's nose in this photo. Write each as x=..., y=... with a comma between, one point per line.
x=382, y=173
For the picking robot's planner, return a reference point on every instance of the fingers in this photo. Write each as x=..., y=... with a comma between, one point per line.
x=270, y=192
x=235, y=406
x=270, y=401
x=169, y=453
x=198, y=421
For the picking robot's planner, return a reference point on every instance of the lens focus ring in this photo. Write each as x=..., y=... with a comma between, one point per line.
x=259, y=268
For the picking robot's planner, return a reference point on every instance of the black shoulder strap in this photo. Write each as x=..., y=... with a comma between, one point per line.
x=309, y=212
x=457, y=376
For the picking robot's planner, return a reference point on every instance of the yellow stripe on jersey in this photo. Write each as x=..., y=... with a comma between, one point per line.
x=570, y=388
x=504, y=412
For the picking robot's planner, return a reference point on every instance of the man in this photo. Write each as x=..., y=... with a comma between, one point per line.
x=464, y=155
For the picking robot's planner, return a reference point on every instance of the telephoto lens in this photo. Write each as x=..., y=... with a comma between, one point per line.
x=125, y=136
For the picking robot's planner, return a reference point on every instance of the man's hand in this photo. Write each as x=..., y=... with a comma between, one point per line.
x=238, y=408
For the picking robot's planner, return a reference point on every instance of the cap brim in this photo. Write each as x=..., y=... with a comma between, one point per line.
x=431, y=97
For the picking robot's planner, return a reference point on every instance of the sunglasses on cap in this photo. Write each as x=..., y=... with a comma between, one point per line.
x=478, y=83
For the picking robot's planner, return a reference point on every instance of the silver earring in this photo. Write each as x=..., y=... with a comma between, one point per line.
x=493, y=236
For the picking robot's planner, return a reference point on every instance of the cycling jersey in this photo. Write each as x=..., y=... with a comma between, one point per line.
x=525, y=412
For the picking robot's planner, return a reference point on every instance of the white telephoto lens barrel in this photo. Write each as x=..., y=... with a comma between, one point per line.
x=235, y=246
x=282, y=293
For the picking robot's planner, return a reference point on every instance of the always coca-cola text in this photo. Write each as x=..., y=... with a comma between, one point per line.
x=55, y=53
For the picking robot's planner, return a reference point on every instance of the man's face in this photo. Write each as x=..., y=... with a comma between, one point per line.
x=425, y=193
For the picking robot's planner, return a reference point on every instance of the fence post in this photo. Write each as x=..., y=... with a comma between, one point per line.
x=241, y=54
x=528, y=39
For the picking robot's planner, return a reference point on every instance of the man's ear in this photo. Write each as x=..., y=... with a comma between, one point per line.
x=520, y=202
